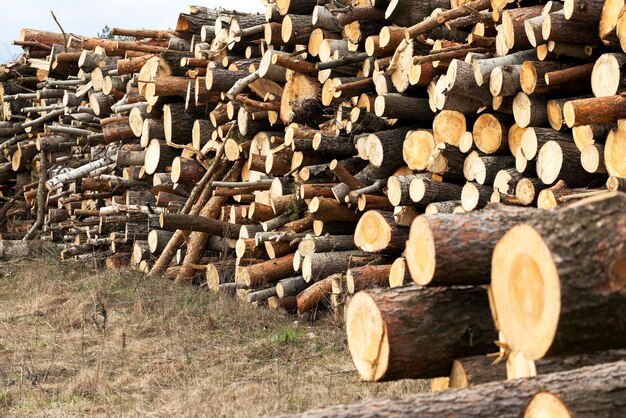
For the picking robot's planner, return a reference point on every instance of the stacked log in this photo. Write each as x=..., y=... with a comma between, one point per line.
x=321, y=153
x=589, y=391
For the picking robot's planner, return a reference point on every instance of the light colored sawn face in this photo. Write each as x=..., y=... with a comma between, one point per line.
x=367, y=337
x=546, y=405
x=421, y=252
x=526, y=290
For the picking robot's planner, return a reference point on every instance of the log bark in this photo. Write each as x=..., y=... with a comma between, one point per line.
x=483, y=67
x=385, y=148
x=326, y=244
x=291, y=286
x=265, y=272
x=561, y=160
x=472, y=371
x=530, y=110
x=185, y=222
x=315, y=294
x=394, y=105
x=367, y=277
x=377, y=232
x=602, y=394
x=594, y=110
x=425, y=191
x=579, y=302
x=390, y=335
x=438, y=244
x=318, y=266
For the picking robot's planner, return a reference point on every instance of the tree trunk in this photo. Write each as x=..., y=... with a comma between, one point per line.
x=313, y=295
x=326, y=244
x=318, y=266
x=572, y=263
x=175, y=221
x=391, y=336
x=491, y=133
x=596, y=391
x=530, y=110
x=325, y=209
x=472, y=371
x=266, y=272
x=424, y=191
x=395, y=105
x=367, y=277
x=439, y=244
x=291, y=286
x=483, y=67
x=561, y=160
x=377, y=232
x=594, y=110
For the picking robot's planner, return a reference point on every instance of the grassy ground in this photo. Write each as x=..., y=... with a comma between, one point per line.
x=162, y=350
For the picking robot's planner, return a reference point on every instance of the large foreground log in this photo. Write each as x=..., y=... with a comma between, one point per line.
x=594, y=391
x=417, y=332
x=559, y=281
x=472, y=371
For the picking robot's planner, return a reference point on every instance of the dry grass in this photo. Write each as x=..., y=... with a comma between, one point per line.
x=163, y=350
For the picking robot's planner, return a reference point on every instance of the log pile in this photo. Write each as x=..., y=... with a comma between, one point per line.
x=422, y=156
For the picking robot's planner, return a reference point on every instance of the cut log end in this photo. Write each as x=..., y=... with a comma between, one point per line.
x=549, y=162
x=417, y=149
x=364, y=324
x=526, y=291
x=372, y=233
x=420, y=252
x=546, y=404
x=606, y=77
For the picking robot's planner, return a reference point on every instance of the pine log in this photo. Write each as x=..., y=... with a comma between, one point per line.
x=594, y=110
x=425, y=191
x=390, y=335
x=265, y=272
x=561, y=160
x=315, y=294
x=377, y=232
x=573, y=285
x=318, y=266
x=472, y=371
x=602, y=393
x=614, y=150
x=530, y=110
x=385, y=148
x=291, y=286
x=173, y=222
x=395, y=105
x=483, y=67
x=367, y=277
x=325, y=244
x=438, y=244
x=505, y=80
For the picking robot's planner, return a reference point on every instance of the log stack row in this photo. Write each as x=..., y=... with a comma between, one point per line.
x=329, y=149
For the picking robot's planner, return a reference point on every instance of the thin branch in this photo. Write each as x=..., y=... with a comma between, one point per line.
x=62, y=31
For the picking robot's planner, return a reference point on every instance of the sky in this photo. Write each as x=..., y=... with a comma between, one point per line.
x=88, y=17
